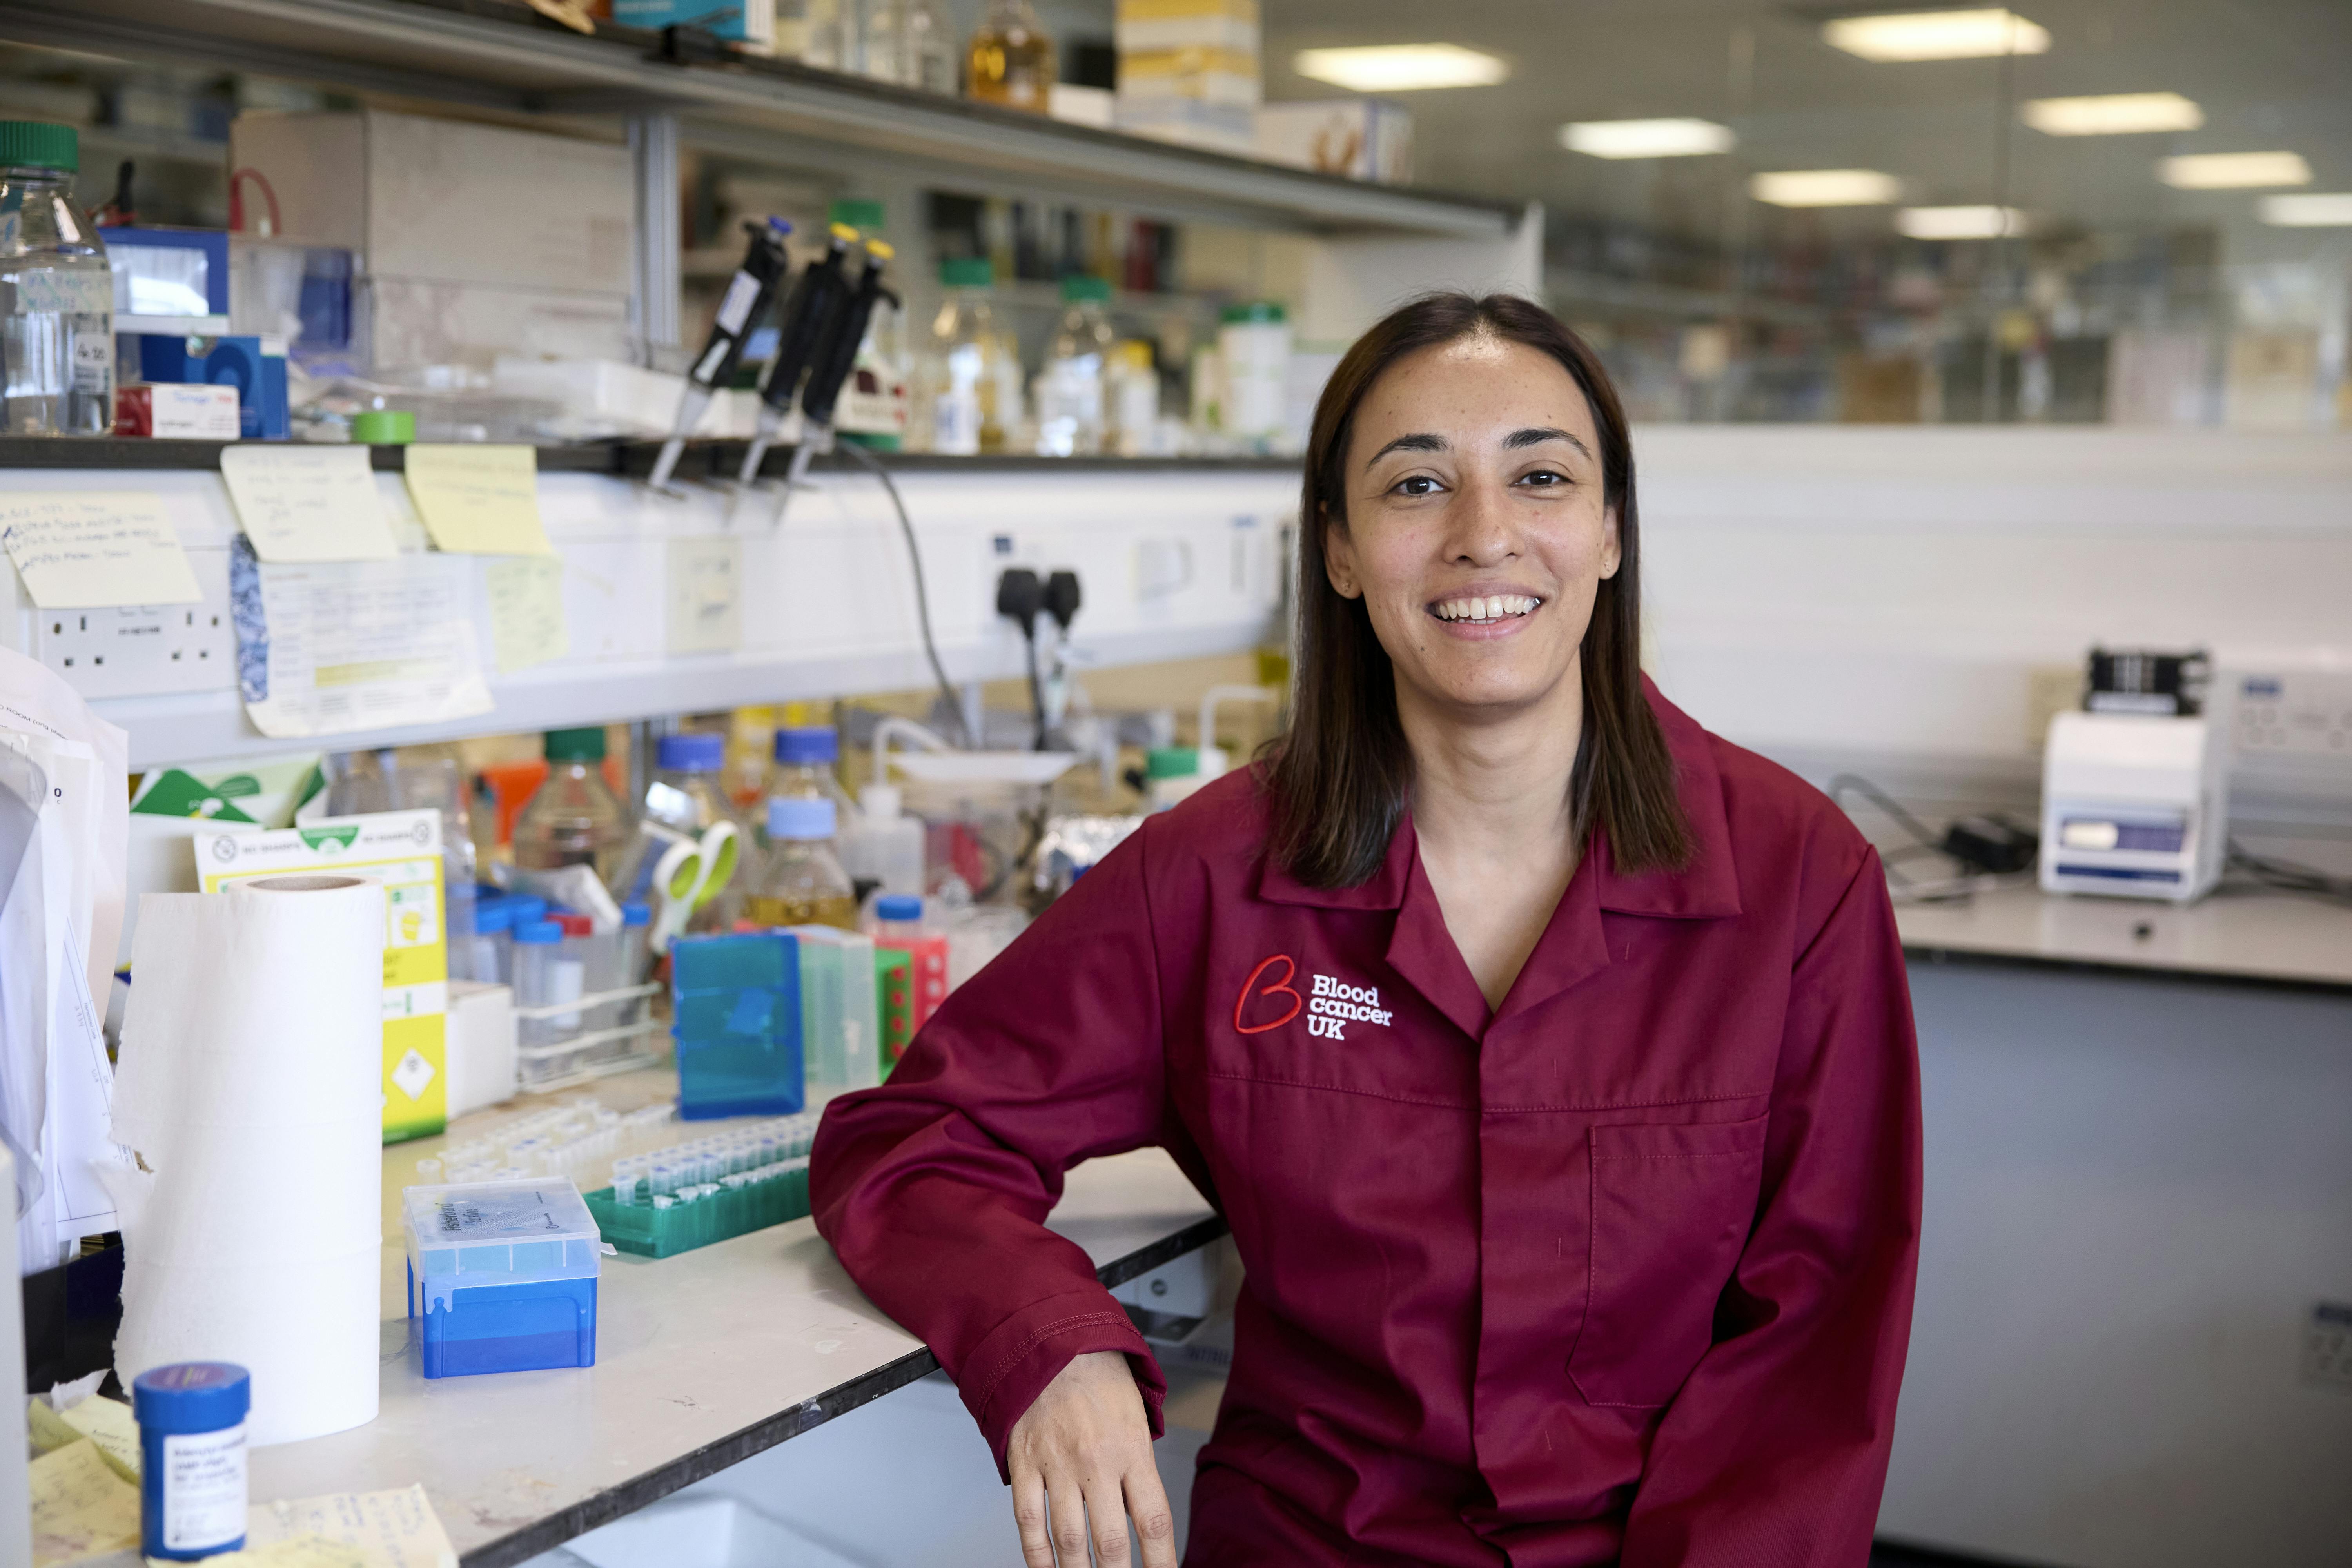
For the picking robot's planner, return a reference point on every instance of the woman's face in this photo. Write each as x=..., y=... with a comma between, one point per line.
x=1475, y=532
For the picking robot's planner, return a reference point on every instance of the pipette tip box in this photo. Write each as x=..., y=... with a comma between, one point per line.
x=501, y=1276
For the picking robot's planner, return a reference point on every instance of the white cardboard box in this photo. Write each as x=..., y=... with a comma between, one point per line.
x=414, y=321
x=447, y=201
x=480, y=1046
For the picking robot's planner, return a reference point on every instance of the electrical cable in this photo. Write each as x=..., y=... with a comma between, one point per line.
x=922, y=593
x=1887, y=803
x=2287, y=876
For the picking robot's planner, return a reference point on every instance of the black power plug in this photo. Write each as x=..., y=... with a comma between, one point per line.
x=1062, y=598
x=1991, y=844
x=1019, y=597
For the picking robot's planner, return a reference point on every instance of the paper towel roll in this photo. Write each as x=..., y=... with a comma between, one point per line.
x=250, y=1087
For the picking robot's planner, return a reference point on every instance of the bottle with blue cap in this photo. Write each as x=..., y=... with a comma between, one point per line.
x=806, y=757
x=802, y=883
x=192, y=1475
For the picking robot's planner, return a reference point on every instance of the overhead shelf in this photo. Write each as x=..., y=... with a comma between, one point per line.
x=500, y=54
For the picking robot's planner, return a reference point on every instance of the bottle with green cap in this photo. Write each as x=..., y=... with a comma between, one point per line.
x=572, y=819
x=1070, y=384
x=57, y=291
x=1253, y=344
x=960, y=377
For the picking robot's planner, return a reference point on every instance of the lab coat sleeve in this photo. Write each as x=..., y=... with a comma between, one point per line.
x=934, y=1188
x=1774, y=1452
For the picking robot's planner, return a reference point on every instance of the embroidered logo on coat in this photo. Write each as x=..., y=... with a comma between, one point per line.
x=1335, y=1005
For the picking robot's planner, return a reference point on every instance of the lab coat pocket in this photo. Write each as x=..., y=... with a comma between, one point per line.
x=1671, y=1206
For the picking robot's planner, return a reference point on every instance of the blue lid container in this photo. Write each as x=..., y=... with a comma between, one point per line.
x=899, y=907
x=737, y=1004
x=527, y=907
x=539, y=933
x=636, y=912
x=191, y=1487
x=492, y=918
x=502, y=1274
x=815, y=745
x=690, y=754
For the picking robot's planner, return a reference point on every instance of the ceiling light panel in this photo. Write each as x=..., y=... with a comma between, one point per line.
x=2233, y=171
x=1401, y=68
x=2331, y=209
x=1647, y=137
x=1826, y=188
x=2113, y=114
x=1936, y=36
x=1959, y=223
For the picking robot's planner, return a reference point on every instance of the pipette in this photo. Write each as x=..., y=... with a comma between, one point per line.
x=821, y=291
x=836, y=356
x=746, y=301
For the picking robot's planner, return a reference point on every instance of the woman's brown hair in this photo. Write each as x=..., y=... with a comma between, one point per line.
x=1340, y=776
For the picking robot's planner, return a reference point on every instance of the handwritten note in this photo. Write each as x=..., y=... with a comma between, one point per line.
x=88, y=550
x=356, y=645
x=308, y=503
x=109, y=1424
x=80, y=1508
x=479, y=501
x=301, y=1551
x=527, y=611
x=397, y=1529
x=706, y=595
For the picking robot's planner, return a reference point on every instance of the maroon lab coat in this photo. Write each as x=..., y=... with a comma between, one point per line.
x=1620, y=1271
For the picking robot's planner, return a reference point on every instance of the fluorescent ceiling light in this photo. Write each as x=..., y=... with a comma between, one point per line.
x=1959, y=223
x=1646, y=138
x=1936, y=36
x=1401, y=68
x=1825, y=188
x=2332, y=210
x=2113, y=114
x=2234, y=171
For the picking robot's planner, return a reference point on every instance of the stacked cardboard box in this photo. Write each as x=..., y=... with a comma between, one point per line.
x=1188, y=71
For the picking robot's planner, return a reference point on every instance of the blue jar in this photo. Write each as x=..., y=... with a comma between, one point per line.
x=192, y=1480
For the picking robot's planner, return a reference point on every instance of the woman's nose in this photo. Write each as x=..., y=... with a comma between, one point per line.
x=1478, y=526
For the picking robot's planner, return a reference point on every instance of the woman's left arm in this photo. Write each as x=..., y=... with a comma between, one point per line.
x=1774, y=1453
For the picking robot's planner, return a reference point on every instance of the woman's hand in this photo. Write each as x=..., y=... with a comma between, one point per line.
x=1082, y=1454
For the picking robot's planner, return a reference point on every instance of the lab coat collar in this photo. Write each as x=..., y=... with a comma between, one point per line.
x=1706, y=889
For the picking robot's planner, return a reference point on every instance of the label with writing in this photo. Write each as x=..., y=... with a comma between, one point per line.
x=308, y=503
x=203, y=1488
x=479, y=501
x=82, y=550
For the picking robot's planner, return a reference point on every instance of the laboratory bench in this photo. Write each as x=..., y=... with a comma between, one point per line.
x=702, y=1359
x=2132, y=1256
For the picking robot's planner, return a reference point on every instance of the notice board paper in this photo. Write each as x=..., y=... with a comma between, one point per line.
x=92, y=550
x=479, y=501
x=527, y=611
x=706, y=595
x=402, y=851
x=341, y=645
x=308, y=503
x=397, y=1529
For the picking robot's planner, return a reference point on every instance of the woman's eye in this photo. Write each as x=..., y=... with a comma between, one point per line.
x=1415, y=485
x=1544, y=477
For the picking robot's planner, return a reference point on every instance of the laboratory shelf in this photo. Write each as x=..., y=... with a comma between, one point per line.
x=499, y=54
x=627, y=460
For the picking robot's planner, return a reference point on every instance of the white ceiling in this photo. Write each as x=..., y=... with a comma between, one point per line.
x=2269, y=74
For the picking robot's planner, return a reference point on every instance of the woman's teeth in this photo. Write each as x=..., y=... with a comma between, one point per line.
x=1493, y=607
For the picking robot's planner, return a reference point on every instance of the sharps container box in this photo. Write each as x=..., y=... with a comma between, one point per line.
x=502, y=1276
x=192, y=1490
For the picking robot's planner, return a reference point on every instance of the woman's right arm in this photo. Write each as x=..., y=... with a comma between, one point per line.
x=934, y=1190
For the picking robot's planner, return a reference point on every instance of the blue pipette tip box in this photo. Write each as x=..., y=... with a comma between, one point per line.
x=501, y=1276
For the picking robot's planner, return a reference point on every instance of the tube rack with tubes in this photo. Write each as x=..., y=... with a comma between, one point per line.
x=707, y=1189
x=575, y=1139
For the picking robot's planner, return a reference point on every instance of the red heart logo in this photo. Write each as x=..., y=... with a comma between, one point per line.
x=1278, y=988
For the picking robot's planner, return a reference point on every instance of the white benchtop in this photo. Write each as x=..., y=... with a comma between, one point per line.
x=2279, y=937
x=701, y=1359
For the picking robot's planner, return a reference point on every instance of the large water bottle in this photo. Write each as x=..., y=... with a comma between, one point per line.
x=1069, y=392
x=57, y=292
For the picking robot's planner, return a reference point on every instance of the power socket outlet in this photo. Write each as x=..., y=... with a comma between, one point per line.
x=147, y=649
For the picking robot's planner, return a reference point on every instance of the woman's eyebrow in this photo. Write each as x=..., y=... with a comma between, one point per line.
x=1518, y=439
x=1422, y=441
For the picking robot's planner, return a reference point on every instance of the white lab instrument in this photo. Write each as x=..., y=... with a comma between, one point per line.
x=2134, y=806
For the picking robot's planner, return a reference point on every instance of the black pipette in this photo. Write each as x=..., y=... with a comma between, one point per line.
x=746, y=298
x=836, y=356
x=821, y=291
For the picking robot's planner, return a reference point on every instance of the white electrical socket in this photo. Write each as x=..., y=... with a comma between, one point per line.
x=146, y=649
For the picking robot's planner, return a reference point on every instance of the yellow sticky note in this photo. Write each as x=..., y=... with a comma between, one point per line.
x=301, y=1551
x=92, y=550
x=397, y=1529
x=80, y=1508
x=109, y=1424
x=305, y=504
x=527, y=611
x=479, y=501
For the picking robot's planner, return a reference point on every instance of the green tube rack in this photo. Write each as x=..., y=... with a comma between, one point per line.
x=733, y=1205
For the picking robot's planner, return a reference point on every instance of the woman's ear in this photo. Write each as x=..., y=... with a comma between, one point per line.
x=1612, y=550
x=1340, y=558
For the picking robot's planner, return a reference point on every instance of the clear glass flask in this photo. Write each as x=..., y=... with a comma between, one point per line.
x=573, y=819
x=1071, y=382
x=1012, y=60
x=802, y=882
x=57, y=291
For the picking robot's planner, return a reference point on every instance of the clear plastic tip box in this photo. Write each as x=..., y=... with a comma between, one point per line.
x=503, y=1275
